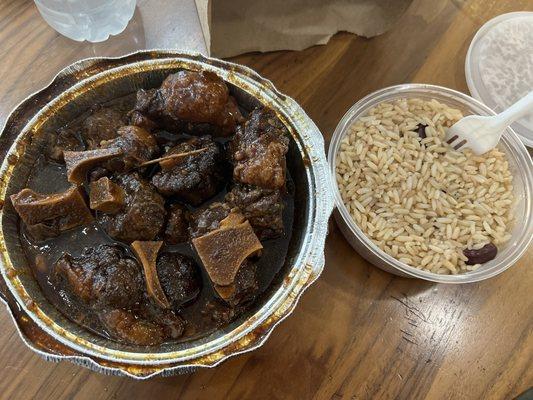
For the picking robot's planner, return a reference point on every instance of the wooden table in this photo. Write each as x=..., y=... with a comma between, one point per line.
x=358, y=333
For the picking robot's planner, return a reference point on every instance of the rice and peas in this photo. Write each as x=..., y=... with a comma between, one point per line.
x=415, y=197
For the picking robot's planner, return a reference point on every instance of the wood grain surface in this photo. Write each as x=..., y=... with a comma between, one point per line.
x=358, y=333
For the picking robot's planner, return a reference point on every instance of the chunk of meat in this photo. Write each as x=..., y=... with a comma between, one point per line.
x=106, y=196
x=176, y=230
x=194, y=178
x=219, y=312
x=259, y=150
x=101, y=277
x=262, y=207
x=173, y=325
x=139, y=119
x=179, y=277
x=145, y=326
x=137, y=145
x=142, y=217
x=207, y=219
x=56, y=212
x=223, y=250
x=166, y=139
x=189, y=96
x=101, y=125
x=246, y=284
x=79, y=163
x=65, y=139
x=244, y=288
x=127, y=327
x=133, y=147
x=171, y=278
x=146, y=252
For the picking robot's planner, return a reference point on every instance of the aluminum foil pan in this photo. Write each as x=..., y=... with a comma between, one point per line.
x=43, y=328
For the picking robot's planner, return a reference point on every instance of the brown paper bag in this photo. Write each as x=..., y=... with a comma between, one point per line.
x=233, y=27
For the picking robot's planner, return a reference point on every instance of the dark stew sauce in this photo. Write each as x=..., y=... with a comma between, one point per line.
x=251, y=181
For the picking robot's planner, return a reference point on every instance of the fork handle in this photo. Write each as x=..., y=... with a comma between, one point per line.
x=521, y=108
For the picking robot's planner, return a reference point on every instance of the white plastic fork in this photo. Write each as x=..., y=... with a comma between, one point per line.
x=482, y=133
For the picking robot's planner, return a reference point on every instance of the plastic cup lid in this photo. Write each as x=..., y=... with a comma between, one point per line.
x=499, y=65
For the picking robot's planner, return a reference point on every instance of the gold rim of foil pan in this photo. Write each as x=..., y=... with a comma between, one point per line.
x=43, y=328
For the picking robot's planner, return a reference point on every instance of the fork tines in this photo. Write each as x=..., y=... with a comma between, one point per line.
x=458, y=145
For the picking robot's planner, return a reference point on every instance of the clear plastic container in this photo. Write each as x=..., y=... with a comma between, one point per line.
x=91, y=20
x=498, y=65
x=520, y=164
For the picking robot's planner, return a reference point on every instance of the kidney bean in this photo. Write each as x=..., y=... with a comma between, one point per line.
x=421, y=129
x=480, y=256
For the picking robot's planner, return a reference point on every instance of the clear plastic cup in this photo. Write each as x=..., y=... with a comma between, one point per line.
x=91, y=20
x=519, y=162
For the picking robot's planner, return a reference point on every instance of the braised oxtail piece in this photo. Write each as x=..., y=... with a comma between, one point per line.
x=224, y=250
x=103, y=124
x=191, y=170
x=137, y=118
x=106, y=196
x=205, y=220
x=172, y=279
x=147, y=328
x=65, y=139
x=79, y=163
x=189, y=97
x=129, y=328
x=244, y=288
x=137, y=145
x=47, y=215
x=179, y=277
x=101, y=277
x=143, y=215
x=259, y=148
x=263, y=208
x=177, y=227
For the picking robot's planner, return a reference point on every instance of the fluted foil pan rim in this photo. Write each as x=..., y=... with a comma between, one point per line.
x=256, y=329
